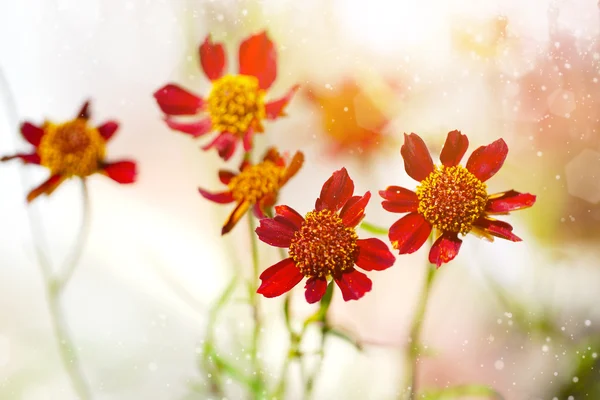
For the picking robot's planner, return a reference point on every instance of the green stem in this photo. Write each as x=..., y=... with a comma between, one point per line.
x=374, y=229
x=254, y=300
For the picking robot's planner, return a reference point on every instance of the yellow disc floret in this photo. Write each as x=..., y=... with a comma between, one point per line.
x=256, y=182
x=451, y=199
x=323, y=246
x=235, y=103
x=71, y=148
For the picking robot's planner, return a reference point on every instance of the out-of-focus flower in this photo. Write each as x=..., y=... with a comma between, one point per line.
x=484, y=39
x=450, y=198
x=323, y=245
x=72, y=148
x=255, y=186
x=236, y=104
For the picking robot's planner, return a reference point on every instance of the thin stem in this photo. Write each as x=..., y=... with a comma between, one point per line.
x=310, y=382
x=374, y=229
x=254, y=300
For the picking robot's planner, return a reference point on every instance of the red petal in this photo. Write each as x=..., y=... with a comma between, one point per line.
x=444, y=249
x=272, y=154
x=108, y=129
x=247, y=139
x=336, y=191
x=417, y=160
x=226, y=176
x=291, y=215
x=293, y=167
x=278, y=231
x=32, y=133
x=509, y=201
x=221, y=198
x=497, y=228
x=237, y=213
x=84, y=112
x=275, y=108
x=315, y=289
x=454, y=149
x=174, y=100
x=212, y=58
x=258, y=211
x=399, y=199
x=258, y=58
x=354, y=210
x=487, y=160
x=195, y=129
x=353, y=284
x=225, y=143
x=33, y=158
x=121, y=171
x=46, y=188
x=279, y=278
x=409, y=233
x=374, y=255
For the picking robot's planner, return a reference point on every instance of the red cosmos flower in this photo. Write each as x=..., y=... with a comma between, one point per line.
x=323, y=245
x=450, y=198
x=236, y=103
x=255, y=186
x=72, y=148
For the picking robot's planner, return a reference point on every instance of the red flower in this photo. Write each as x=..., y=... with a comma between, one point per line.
x=323, y=245
x=235, y=106
x=451, y=198
x=72, y=148
x=256, y=185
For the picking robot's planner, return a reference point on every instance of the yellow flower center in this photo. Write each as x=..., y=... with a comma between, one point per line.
x=235, y=103
x=71, y=148
x=323, y=246
x=256, y=182
x=451, y=199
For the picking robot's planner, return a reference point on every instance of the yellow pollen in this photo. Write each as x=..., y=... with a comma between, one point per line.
x=256, y=182
x=451, y=199
x=324, y=246
x=71, y=148
x=235, y=103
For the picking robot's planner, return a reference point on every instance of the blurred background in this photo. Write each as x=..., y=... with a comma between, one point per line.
x=520, y=317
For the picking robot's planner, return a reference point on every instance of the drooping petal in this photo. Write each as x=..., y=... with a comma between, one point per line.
x=487, y=160
x=374, y=255
x=276, y=108
x=194, y=129
x=221, y=198
x=399, y=199
x=336, y=191
x=247, y=139
x=46, y=188
x=444, y=249
x=237, y=213
x=279, y=278
x=32, y=158
x=417, y=160
x=497, y=228
x=291, y=215
x=454, y=149
x=409, y=233
x=511, y=200
x=108, y=129
x=315, y=289
x=84, y=112
x=174, y=100
x=257, y=57
x=258, y=211
x=32, y=133
x=354, y=210
x=278, y=231
x=353, y=284
x=225, y=143
x=121, y=171
x=273, y=155
x=226, y=176
x=293, y=167
x=212, y=58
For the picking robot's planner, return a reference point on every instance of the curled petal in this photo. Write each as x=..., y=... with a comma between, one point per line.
x=279, y=278
x=225, y=176
x=257, y=57
x=509, y=201
x=237, y=213
x=487, y=160
x=293, y=167
x=32, y=158
x=275, y=108
x=247, y=139
x=121, y=171
x=417, y=160
x=32, y=133
x=258, y=211
x=290, y=215
x=399, y=199
x=315, y=289
x=108, y=129
x=221, y=198
x=225, y=143
x=272, y=154
x=46, y=188
x=454, y=149
x=353, y=284
x=354, y=210
x=336, y=191
x=84, y=112
x=194, y=129
x=174, y=100
x=444, y=249
x=212, y=58
x=497, y=228
x=278, y=231
x=374, y=255
x=409, y=233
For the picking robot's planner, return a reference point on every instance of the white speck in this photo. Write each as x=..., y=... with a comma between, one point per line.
x=588, y=322
x=152, y=366
x=570, y=398
x=345, y=109
x=328, y=86
x=220, y=17
x=557, y=178
x=244, y=12
x=543, y=88
x=568, y=66
x=556, y=374
x=509, y=315
x=545, y=348
x=539, y=153
x=499, y=365
x=575, y=379
x=499, y=321
x=594, y=355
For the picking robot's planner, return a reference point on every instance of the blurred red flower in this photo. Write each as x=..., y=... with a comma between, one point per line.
x=323, y=245
x=450, y=198
x=236, y=104
x=72, y=148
